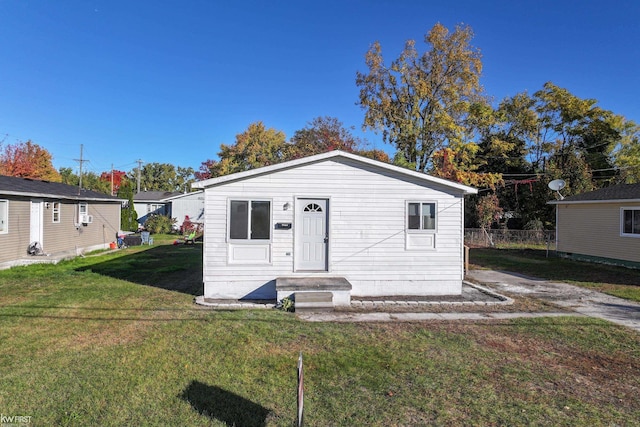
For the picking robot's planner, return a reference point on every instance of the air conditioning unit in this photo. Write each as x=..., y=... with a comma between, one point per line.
x=86, y=219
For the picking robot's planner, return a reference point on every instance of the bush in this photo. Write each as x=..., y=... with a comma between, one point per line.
x=156, y=224
x=286, y=304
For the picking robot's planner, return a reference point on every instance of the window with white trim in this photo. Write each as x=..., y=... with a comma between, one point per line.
x=83, y=212
x=421, y=216
x=55, y=212
x=249, y=220
x=4, y=216
x=154, y=208
x=630, y=222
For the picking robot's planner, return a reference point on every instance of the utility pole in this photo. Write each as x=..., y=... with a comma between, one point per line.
x=81, y=161
x=112, y=179
x=139, y=170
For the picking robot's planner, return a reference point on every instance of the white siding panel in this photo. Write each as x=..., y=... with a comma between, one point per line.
x=367, y=238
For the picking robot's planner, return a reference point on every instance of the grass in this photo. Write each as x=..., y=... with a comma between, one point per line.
x=618, y=281
x=109, y=340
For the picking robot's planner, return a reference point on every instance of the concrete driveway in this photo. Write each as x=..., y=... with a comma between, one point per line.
x=584, y=301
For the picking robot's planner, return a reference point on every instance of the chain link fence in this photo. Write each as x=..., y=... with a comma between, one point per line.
x=510, y=238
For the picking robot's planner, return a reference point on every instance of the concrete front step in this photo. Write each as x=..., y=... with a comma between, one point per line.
x=338, y=287
x=313, y=301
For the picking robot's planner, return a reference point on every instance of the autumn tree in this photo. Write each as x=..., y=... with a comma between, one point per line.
x=423, y=102
x=489, y=212
x=27, y=160
x=320, y=135
x=627, y=153
x=255, y=147
x=205, y=170
x=114, y=176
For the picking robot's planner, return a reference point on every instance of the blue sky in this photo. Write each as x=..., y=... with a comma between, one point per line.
x=168, y=81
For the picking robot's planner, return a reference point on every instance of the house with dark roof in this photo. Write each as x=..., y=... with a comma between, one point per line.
x=147, y=203
x=601, y=225
x=62, y=219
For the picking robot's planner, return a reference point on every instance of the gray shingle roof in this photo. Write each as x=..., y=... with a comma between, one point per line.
x=10, y=185
x=614, y=192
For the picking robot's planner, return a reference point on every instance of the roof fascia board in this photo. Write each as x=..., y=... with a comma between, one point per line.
x=169, y=199
x=582, y=202
x=56, y=196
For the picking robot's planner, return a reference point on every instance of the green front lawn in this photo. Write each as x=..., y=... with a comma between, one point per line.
x=116, y=340
x=618, y=281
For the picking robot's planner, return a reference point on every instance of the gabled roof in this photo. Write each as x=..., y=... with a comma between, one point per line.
x=614, y=193
x=183, y=195
x=331, y=155
x=13, y=186
x=154, y=196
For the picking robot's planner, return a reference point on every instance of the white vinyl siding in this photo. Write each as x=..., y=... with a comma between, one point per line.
x=367, y=225
x=4, y=216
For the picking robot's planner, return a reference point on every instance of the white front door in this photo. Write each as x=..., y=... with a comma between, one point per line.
x=312, y=234
x=35, y=224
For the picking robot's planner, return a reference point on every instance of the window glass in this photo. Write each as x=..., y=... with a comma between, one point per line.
x=628, y=222
x=636, y=221
x=260, y=220
x=414, y=216
x=239, y=221
x=84, y=209
x=428, y=216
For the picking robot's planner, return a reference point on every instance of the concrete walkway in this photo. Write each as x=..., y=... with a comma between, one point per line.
x=583, y=301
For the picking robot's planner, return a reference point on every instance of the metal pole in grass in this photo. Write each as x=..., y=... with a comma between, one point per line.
x=300, y=392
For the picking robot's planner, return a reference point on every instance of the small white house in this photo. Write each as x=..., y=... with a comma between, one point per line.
x=187, y=204
x=385, y=229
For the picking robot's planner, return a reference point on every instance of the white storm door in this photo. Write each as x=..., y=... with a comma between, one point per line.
x=35, y=223
x=312, y=234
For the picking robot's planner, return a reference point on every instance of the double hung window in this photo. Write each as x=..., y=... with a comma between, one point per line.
x=631, y=222
x=55, y=212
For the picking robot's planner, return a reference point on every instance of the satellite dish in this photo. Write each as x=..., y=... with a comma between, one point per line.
x=557, y=185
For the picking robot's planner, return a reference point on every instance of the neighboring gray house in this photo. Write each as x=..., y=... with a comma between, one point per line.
x=601, y=225
x=148, y=203
x=385, y=229
x=63, y=219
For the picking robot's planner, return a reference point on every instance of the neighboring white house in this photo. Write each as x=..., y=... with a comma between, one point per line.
x=170, y=203
x=386, y=229
x=187, y=204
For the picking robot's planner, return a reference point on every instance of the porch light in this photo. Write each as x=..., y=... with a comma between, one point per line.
x=286, y=206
